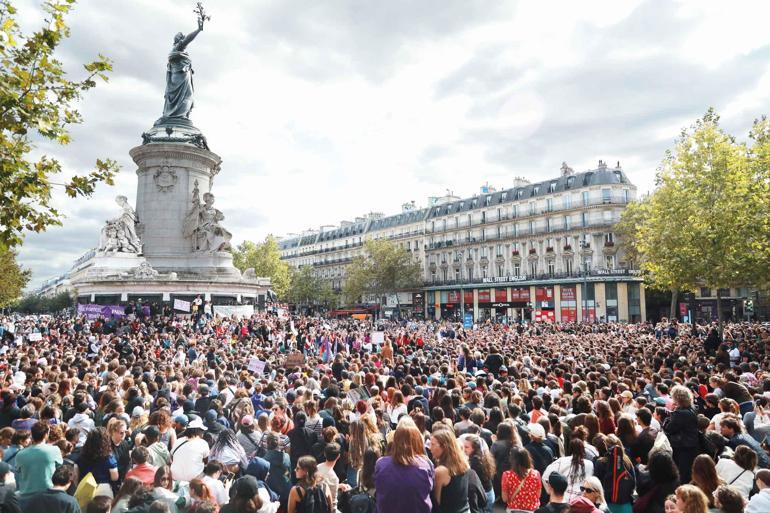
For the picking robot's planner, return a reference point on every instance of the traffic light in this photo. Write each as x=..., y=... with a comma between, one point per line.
x=748, y=305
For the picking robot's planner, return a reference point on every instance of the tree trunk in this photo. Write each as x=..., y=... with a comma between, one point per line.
x=672, y=310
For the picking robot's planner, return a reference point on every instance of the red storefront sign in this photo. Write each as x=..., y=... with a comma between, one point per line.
x=501, y=295
x=453, y=296
x=484, y=296
x=468, y=297
x=568, y=304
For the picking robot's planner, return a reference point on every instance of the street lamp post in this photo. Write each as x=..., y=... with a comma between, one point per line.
x=583, y=246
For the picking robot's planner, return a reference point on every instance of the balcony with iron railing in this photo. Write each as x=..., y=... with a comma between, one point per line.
x=491, y=219
x=524, y=235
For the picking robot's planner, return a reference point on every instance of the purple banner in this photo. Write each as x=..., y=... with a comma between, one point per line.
x=96, y=311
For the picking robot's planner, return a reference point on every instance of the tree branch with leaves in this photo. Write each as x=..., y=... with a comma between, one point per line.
x=37, y=98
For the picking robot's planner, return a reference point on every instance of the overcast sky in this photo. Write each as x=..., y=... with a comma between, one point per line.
x=326, y=110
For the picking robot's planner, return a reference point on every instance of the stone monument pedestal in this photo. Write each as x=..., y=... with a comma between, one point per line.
x=184, y=247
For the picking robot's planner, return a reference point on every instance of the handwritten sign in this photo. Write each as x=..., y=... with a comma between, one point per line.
x=256, y=365
x=35, y=337
x=181, y=305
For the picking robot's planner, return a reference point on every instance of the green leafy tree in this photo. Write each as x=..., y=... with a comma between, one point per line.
x=307, y=288
x=36, y=304
x=384, y=268
x=654, y=241
x=14, y=278
x=358, y=276
x=265, y=258
x=38, y=100
x=758, y=205
x=706, y=221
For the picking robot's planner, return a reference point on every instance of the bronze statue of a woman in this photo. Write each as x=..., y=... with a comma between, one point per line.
x=179, y=75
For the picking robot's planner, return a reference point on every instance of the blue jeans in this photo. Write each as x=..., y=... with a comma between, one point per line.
x=352, y=477
x=490, y=501
x=746, y=407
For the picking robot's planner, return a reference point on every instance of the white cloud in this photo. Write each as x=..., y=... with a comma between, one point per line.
x=326, y=111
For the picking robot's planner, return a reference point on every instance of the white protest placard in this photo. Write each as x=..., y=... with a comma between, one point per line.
x=35, y=337
x=181, y=305
x=378, y=337
x=234, y=310
x=256, y=365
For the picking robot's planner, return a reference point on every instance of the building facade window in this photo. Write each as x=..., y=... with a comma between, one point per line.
x=551, y=268
x=705, y=292
x=517, y=269
x=606, y=195
x=585, y=198
x=568, y=265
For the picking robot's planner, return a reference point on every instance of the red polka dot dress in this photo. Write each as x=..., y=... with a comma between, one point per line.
x=528, y=498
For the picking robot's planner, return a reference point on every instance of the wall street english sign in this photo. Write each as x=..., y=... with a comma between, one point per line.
x=504, y=279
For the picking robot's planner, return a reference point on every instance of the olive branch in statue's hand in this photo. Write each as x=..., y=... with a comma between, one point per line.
x=202, y=16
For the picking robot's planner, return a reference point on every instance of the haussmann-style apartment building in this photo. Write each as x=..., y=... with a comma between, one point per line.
x=541, y=251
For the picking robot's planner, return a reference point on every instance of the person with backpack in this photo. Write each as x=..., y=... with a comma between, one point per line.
x=616, y=473
x=310, y=495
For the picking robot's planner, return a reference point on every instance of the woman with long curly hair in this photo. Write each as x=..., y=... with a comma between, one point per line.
x=482, y=462
x=96, y=457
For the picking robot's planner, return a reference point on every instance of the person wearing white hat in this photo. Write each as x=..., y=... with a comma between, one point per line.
x=189, y=452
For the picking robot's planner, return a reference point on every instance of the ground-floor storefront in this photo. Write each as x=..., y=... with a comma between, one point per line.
x=591, y=300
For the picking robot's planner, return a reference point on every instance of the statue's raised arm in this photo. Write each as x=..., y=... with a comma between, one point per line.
x=180, y=44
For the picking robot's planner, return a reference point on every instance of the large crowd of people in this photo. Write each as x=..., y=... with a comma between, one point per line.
x=152, y=412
